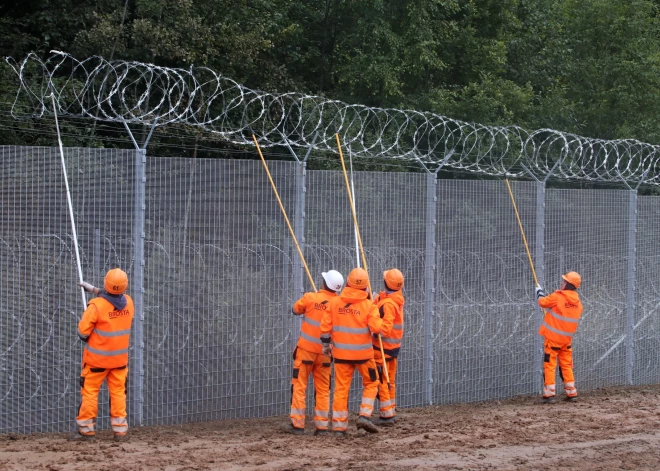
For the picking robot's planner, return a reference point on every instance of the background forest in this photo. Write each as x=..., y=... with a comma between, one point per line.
x=589, y=67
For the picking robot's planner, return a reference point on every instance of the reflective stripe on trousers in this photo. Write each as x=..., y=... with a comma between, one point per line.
x=549, y=390
x=119, y=425
x=308, y=364
x=367, y=406
x=387, y=395
x=571, y=390
x=321, y=419
x=86, y=427
x=343, y=377
x=339, y=420
x=90, y=385
x=298, y=417
x=387, y=409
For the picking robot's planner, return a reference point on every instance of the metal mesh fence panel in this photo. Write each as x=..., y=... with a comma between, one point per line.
x=40, y=302
x=485, y=322
x=218, y=290
x=587, y=231
x=222, y=272
x=647, y=293
x=391, y=217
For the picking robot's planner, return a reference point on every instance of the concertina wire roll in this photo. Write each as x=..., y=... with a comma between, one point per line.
x=140, y=93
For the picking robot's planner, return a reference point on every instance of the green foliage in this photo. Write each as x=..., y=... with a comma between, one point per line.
x=583, y=66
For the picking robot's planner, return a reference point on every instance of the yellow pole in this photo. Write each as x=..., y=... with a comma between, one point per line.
x=302, y=257
x=364, y=259
x=529, y=255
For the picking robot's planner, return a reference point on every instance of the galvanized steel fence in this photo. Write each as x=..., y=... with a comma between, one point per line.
x=214, y=274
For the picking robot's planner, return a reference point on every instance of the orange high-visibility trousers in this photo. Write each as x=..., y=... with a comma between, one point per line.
x=386, y=396
x=91, y=379
x=319, y=366
x=553, y=352
x=343, y=377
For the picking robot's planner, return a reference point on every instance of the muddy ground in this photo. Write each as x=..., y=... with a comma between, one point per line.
x=617, y=428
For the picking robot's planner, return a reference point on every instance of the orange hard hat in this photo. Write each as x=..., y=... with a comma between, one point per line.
x=573, y=278
x=116, y=281
x=358, y=278
x=393, y=279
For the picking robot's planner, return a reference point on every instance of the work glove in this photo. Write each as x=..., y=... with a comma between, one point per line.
x=89, y=287
x=539, y=292
x=327, y=349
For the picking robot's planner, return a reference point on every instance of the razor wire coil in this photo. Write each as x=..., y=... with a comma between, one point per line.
x=141, y=93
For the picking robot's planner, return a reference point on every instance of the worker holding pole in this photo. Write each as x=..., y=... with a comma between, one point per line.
x=346, y=332
x=560, y=322
x=359, y=239
x=390, y=308
x=308, y=357
x=559, y=325
x=105, y=328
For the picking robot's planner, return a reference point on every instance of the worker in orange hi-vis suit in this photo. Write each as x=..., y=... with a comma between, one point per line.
x=105, y=327
x=390, y=307
x=309, y=359
x=559, y=325
x=348, y=324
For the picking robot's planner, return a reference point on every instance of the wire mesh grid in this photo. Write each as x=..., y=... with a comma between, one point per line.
x=392, y=225
x=647, y=292
x=221, y=274
x=587, y=231
x=40, y=305
x=218, y=281
x=485, y=316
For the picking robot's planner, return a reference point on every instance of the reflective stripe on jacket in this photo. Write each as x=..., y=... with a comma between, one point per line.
x=562, y=317
x=312, y=306
x=349, y=323
x=108, y=331
x=390, y=308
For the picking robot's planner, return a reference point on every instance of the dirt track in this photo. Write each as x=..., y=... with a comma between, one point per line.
x=617, y=428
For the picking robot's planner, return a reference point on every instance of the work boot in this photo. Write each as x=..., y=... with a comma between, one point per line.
x=79, y=437
x=340, y=433
x=319, y=432
x=384, y=421
x=549, y=400
x=288, y=427
x=365, y=424
x=121, y=438
x=571, y=398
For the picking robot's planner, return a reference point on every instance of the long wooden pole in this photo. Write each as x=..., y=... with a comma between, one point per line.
x=293, y=235
x=364, y=259
x=522, y=232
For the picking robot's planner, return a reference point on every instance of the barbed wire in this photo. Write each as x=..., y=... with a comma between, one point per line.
x=141, y=93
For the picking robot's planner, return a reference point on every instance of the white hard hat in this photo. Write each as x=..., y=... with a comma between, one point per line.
x=333, y=279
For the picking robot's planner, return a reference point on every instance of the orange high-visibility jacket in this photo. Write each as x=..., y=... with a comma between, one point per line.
x=561, y=320
x=390, y=308
x=349, y=323
x=312, y=306
x=109, y=332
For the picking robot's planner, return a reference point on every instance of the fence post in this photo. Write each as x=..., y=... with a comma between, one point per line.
x=299, y=231
x=299, y=226
x=429, y=274
x=630, y=291
x=137, y=281
x=539, y=262
x=539, y=256
x=138, y=284
x=429, y=284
